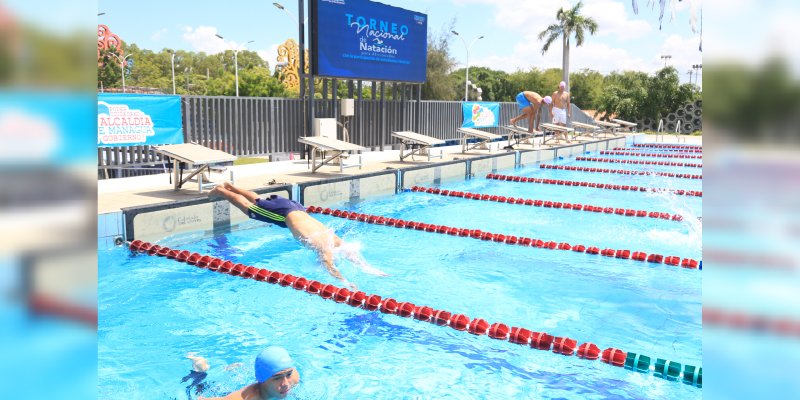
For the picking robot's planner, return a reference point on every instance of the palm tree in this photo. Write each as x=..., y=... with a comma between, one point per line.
x=569, y=22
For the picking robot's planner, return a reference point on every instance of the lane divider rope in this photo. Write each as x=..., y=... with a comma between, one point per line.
x=608, y=186
x=620, y=171
x=662, y=151
x=641, y=162
x=688, y=263
x=669, y=146
x=550, y=204
x=662, y=368
x=638, y=154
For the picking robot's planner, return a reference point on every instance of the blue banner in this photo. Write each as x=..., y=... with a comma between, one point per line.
x=46, y=129
x=480, y=114
x=138, y=119
x=361, y=39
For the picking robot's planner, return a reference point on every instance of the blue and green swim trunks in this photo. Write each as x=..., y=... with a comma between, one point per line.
x=274, y=209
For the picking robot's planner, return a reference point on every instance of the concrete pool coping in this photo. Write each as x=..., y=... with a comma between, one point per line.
x=151, y=209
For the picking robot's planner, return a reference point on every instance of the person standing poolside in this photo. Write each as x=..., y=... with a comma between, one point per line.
x=276, y=376
x=561, y=111
x=530, y=104
x=291, y=214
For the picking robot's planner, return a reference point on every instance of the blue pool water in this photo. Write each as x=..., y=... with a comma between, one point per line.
x=154, y=310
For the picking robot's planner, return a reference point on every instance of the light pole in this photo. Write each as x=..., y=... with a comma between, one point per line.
x=122, y=67
x=291, y=14
x=690, y=76
x=301, y=42
x=187, y=72
x=665, y=58
x=173, y=71
x=236, y=61
x=466, y=77
x=697, y=68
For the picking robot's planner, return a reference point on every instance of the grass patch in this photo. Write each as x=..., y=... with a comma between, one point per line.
x=249, y=160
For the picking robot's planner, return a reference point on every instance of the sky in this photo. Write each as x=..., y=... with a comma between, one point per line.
x=624, y=41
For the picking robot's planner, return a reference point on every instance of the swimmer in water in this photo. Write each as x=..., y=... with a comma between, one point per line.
x=291, y=214
x=276, y=376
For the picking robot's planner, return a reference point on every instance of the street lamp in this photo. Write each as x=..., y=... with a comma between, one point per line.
x=187, y=71
x=173, y=71
x=236, y=61
x=122, y=61
x=466, y=77
x=665, y=58
x=301, y=42
x=291, y=14
x=697, y=68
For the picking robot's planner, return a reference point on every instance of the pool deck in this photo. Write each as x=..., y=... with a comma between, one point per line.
x=115, y=194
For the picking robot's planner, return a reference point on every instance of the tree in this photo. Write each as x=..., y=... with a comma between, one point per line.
x=569, y=22
x=108, y=71
x=587, y=88
x=495, y=85
x=438, y=84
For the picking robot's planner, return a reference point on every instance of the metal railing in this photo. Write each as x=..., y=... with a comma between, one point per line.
x=246, y=126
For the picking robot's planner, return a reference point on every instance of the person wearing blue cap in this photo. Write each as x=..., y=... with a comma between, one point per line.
x=276, y=375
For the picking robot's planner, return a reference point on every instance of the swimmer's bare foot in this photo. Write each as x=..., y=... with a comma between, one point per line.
x=215, y=193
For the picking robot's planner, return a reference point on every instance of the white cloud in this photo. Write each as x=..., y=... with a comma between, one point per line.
x=612, y=19
x=203, y=38
x=611, y=16
x=157, y=36
x=684, y=52
x=592, y=55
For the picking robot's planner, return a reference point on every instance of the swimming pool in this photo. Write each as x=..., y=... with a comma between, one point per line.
x=154, y=310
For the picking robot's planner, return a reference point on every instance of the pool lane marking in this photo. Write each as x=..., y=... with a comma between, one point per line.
x=669, y=370
x=638, y=154
x=619, y=171
x=685, y=262
x=639, y=162
x=663, y=151
x=550, y=204
x=608, y=186
x=669, y=146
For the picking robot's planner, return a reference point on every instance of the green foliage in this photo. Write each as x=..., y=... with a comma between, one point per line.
x=438, y=84
x=753, y=102
x=586, y=88
x=636, y=95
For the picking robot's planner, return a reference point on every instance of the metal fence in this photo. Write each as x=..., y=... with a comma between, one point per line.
x=246, y=126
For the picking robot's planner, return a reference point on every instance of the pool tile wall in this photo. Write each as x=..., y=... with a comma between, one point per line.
x=349, y=188
x=479, y=167
x=532, y=157
x=433, y=175
x=155, y=222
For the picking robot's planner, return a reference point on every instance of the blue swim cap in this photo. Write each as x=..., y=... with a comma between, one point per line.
x=270, y=361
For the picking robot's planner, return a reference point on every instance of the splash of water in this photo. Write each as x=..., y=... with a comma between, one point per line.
x=351, y=251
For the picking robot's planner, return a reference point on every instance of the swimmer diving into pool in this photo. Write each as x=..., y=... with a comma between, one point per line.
x=291, y=214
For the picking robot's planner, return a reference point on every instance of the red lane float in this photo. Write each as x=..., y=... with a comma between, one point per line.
x=639, y=154
x=499, y=331
x=666, y=151
x=514, y=240
x=608, y=186
x=619, y=171
x=639, y=162
x=538, y=203
x=669, y=145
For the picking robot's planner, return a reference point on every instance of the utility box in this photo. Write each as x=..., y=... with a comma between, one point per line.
x=347, y=107
x=325, y=127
